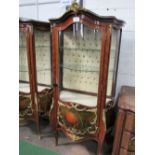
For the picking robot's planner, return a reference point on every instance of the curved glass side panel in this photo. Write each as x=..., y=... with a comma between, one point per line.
x=114, y=49
x=24, y=84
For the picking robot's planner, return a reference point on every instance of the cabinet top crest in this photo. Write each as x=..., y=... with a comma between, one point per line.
x=76, y=11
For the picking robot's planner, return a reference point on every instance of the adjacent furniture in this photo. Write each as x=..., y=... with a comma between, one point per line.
x=85, y=53
x=124, y=141
x=35, y=78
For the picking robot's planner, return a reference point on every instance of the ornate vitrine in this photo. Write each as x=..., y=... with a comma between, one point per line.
x=35, y=78
x=85, y=51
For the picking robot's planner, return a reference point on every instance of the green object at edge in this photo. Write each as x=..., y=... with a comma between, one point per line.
x=26, y=148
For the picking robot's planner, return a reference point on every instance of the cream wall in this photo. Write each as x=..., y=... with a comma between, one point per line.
x=123, y=9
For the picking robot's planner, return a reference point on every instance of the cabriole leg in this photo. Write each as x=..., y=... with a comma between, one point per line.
x=56, y=137
x=37, y=123
x=101, y=138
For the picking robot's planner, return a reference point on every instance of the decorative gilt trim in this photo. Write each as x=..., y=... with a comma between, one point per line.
x=75, y=7
x=53, y=25
x=30, y=27
x=36, y=101
x=110, y=28
x=28, y=110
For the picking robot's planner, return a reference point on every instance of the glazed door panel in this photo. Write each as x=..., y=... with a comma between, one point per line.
x=79, y=62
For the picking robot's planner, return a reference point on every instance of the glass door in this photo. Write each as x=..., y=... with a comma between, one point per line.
x=79, y=64
x=78, y=79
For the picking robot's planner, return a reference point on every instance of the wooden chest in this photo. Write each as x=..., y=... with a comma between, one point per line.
x=124, y=140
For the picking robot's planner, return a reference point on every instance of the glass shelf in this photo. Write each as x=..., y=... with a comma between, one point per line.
x=44, y=69
x=80, y=49
x=42, y=46
x=38, y=46
x=22, y=46
x=37, y=70
x=80, y=68
x=25, y=69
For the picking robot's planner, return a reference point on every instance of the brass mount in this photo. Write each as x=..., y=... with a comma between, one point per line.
x=75, y=7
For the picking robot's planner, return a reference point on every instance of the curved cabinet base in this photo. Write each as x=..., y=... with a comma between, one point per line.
x=25, y=110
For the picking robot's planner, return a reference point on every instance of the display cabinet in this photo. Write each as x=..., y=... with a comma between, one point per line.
x=35, y=77
x=85, y=52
